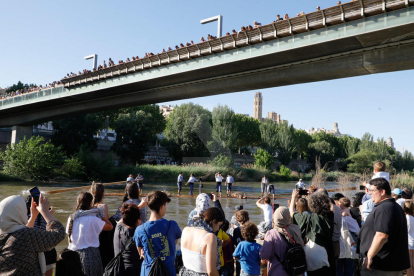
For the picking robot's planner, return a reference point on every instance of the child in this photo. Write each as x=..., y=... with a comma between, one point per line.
x=228, y=250
x=344, y=204
x=379, y=172
x=247, y=252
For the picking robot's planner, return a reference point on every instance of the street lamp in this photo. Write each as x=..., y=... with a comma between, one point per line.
x=95, y=60
x=218, y=18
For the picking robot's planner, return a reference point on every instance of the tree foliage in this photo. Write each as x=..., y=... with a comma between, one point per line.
x=31, y=159
x=222, y=160
x=268, y=132
x=363, y=160
x=302, y=140
x=286, y=142
x=248, y=131
x=188, y=131
x=19, y=86
x=136, y=128
x=224, y=132
x=263, y=159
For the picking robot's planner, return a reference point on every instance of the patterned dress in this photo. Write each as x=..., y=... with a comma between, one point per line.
x=19, y=250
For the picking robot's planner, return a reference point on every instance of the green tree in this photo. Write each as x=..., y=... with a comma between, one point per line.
x=363, y=160
x=19, y=86
x=302, y=140
x=72, y=132
x=188, y=131
x=95, y=168
x=224, y=132
x=323, y=150
x=248, y=132
x=31, y=159
x=263, y=159
x=222, y=160
x=73, y=168
x=269, y=135
x=286, y=143
x=285, y=171
x=136, y=128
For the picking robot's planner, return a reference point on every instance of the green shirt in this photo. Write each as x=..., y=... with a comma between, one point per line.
x=317, y=228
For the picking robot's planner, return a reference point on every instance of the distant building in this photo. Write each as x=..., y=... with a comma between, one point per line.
x=257, y=106
x=166, y=110
x=276, y=118
x=390, y=143
x=334, y=131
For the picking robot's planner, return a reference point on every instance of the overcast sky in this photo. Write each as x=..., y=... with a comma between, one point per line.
x=42, y=40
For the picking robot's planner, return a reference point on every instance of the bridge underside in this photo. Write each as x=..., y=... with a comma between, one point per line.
x=382, y=51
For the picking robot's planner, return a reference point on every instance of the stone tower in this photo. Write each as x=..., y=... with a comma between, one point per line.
x=257, y=107
x=335, y=128
x=390, y=143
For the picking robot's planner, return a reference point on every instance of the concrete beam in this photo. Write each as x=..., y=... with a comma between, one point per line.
x=19, y=132
x=331, y=67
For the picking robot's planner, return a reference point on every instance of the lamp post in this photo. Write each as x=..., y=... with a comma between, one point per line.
x=95, y=60
x=218, y=18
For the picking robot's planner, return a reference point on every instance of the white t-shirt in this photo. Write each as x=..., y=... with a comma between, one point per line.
x=382, y=175
x=265, y=181
x=410, y=226
x=85, y=232
x=229, y=180
x=401, y=201
x=268, y=212
x=219, y=178
x=300, y=185
x=192, y=179
x=129, y=179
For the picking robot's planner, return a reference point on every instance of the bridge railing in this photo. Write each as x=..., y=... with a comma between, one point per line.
x=32, y=96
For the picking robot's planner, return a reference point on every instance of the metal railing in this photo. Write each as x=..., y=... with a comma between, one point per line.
x=316, y=20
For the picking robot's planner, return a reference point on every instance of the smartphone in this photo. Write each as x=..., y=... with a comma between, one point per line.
x=303, y=192
x=361, y=187
x=35, y=194
x=275, y=206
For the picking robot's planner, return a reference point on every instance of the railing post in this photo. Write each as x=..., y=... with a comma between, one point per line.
x=222, y=45
x=261, y=35
x=159, y=60
x=199, y=51
x=178, y=55
x=362, y=8
x=306, y=22
x=323, y=18
x=384, y=8
x=247, y=38
x=211, y=49
x=275, y=30
x=342, y=12
x=169, y=61
x=407, y=3
x=290, y=26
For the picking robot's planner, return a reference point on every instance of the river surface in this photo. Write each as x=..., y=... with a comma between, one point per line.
x=178, y=209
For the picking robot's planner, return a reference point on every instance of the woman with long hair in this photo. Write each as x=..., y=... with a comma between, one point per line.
x=124, y=231
x=83, y=228
x=132, y=197
x=98, y=192
x=200, y=246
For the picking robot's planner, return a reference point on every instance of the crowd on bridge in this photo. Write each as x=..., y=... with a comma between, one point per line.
x=30, y=89
x=369, y=234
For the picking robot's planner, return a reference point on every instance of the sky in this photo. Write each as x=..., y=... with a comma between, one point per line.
x=41, y=41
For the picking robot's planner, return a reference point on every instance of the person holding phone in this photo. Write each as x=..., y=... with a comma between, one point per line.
x=19, y=244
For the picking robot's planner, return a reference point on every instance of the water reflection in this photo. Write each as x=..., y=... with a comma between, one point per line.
x=178, y=208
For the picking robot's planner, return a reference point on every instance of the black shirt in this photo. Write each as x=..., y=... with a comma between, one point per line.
x=356, y=214
x=237, y=237
x=131, y=258
x=387, y=217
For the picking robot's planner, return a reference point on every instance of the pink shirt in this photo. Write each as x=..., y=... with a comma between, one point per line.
x=273, y=243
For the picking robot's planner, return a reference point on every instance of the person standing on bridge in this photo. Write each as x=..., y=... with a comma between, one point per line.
x=190, y=182
x=219, y=179
x=229, y=184
x=180, y=181
x=265, y=182
x=140, y=179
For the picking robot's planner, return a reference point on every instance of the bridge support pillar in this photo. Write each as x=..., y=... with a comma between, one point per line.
x=19, y=132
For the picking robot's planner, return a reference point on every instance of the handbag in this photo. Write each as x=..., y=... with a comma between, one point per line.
x=116, y=266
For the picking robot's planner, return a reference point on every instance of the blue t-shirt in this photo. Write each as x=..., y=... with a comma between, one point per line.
x=248, y=255
x=158, y=244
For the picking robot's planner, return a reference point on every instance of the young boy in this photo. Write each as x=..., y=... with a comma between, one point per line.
x=345, y=204
x=157, y=234
x=379, y=172
x=247, y=252
x=242, y=217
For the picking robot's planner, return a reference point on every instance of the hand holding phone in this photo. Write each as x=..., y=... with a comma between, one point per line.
x=303, y=192
x=275, y=206
x=35, y=193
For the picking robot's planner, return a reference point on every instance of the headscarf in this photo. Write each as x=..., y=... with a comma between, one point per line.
x=13, y=214
x=13, y=217
x=282, y=223
x=202, y=204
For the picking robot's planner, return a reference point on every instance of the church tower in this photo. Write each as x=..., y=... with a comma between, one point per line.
x=257, y=106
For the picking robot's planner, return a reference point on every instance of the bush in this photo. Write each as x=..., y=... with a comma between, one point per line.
x=263, y=159
x=222, y=160
x=31, y=159
x=285, y=171
x=73, y=168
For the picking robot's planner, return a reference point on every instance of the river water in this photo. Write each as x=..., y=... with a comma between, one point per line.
x=178, y=209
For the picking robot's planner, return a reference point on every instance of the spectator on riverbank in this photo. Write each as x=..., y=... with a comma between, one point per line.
x=229, y=184
x=200, y=246
x=277, y=239
x=264, y=183
x=158, y=236
x=384, y=235
x=19, y=244
x=228, y=250
x=247, y=251
x=84, y=228
x=397, y=195
x=317, y=227
x=265, y=225
x=408, y=208
x=124, y=231
x=132, y=197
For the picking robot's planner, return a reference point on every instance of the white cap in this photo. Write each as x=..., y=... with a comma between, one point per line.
x=300, y=179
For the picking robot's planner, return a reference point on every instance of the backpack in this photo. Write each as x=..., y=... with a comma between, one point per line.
x=116, y=266
x=294, y=261
x=158, y=268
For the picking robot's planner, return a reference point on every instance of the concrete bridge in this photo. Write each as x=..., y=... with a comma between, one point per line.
x=353, y=39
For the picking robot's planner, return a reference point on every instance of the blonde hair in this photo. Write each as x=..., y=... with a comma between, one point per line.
x=380, y=166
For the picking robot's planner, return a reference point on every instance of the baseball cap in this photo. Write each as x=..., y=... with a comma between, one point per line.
x=397, y=191
x=238, y=207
